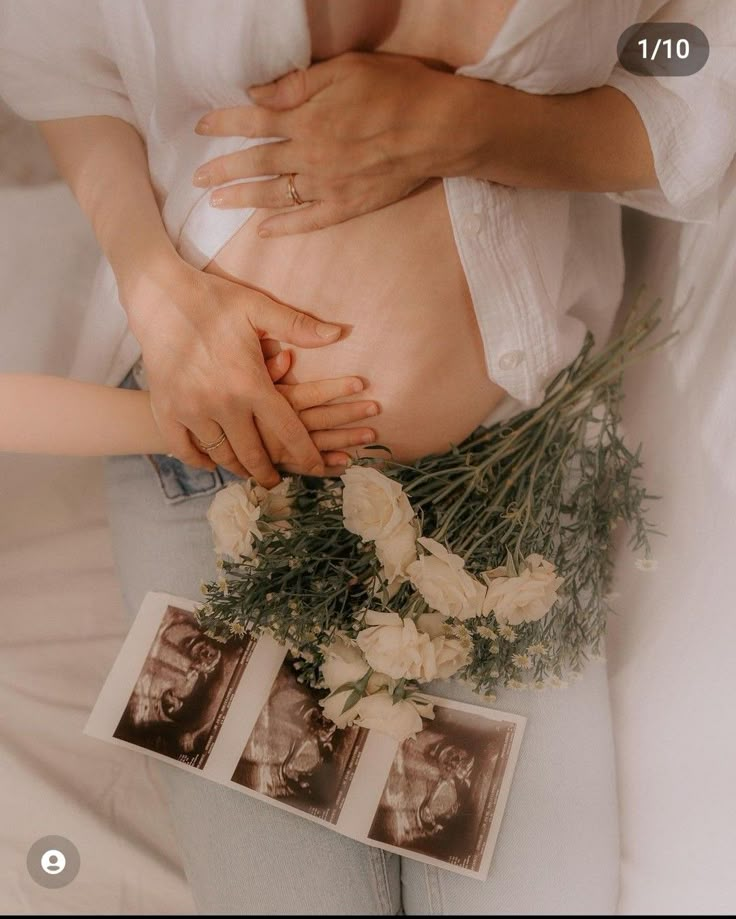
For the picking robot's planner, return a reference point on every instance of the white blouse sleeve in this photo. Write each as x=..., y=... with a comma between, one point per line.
x=691, y=120
x=55, y=61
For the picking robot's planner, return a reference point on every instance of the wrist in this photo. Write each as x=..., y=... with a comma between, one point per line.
x=158, y=265
x=473, y=122
x=156, y=279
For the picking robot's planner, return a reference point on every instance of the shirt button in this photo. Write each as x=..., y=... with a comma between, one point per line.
x=511, y=359
x=472, y=224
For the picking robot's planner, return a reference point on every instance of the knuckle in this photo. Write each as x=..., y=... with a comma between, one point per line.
x=310, y=393
x=292, y=428
x=294, y=87
x=313, y=157
x=318, y=418
x=299, y=322
x=230, y=400
x=238, y=398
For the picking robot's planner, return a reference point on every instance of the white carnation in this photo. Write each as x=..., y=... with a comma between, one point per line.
x=243, y=512
x=333, y=707
x=233, y=515
x=379, y=712
x=448, y=655
x=525, y=598
x=373, y=505
x=397, y=551
x=440, y=577
x=275, y=502
x=343, y=663
x=432, y=623
x=448, y=651
x=394, y=646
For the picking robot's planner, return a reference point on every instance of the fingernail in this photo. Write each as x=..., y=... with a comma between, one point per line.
x=368, y=438
x=201, y=178
x=356, y=386
x=217, y=199
x=264, y=232
x=203, y=127
x=326, y=330
x=372, y=409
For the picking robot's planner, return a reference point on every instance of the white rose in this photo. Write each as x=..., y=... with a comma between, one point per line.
x=373, y=506
x=343, y=663
x=399, y=720
x=233, y=515
x=393, y=645
x=525, y=598
x=441, y=579
x=397, y=551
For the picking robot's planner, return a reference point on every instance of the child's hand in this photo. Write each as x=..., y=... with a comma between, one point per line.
x=312, y=402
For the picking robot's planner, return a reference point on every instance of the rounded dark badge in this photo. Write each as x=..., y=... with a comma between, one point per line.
x=663, y=49
x=53, y=861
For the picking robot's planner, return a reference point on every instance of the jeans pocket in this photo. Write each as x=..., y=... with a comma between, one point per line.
x=179, y=482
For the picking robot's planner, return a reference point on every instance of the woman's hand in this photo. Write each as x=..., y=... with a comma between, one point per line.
x=201, y=339
x=362, y=131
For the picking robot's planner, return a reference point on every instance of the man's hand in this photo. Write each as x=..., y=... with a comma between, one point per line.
x=201, y=340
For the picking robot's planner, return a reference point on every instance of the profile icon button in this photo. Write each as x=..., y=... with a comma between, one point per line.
x=53, y=861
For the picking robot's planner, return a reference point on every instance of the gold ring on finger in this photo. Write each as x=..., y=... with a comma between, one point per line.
x=214, y=445
x=291, y=189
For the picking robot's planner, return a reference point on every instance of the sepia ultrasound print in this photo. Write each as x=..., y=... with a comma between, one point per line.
x=440, y=796
x=295, y=755
x=183, y=691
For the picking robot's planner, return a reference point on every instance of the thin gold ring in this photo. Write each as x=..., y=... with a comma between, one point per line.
x=293, y=193
x=214, y=445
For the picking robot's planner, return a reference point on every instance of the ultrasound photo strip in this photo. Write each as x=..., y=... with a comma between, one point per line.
x=237, y=715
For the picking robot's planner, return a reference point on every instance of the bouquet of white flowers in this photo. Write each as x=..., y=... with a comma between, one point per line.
x=490, y=562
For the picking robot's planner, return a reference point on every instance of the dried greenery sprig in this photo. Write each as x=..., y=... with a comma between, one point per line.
x=553, y=481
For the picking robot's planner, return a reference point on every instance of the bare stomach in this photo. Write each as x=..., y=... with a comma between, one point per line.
x=394, y=281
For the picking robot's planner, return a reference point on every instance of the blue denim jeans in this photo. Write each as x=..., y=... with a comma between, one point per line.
x=558, y=849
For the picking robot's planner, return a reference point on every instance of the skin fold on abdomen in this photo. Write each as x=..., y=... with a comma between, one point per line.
x=394, y=281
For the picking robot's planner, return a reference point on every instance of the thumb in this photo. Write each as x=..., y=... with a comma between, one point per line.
x=276, y=320
x=294, y=89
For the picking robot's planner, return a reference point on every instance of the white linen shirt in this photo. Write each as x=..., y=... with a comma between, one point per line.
x=542, y=266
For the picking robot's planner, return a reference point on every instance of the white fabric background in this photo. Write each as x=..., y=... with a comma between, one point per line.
x=62, y=619
x=670, y=649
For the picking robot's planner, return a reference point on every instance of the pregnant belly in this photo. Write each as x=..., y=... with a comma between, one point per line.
x=394, y=281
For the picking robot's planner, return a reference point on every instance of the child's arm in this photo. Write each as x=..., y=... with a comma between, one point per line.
x=44, y=414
